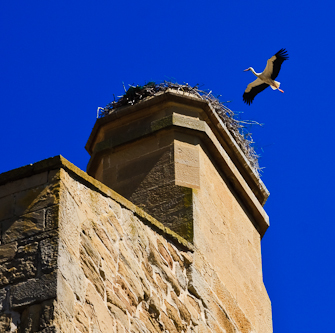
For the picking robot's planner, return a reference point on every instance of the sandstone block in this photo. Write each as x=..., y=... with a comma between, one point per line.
x=65, y=296
x=184, y=313
x=80, y=319
x=167, y=323
x=51, y=329
x=148, y=272
x=7, y=251
x=97, y=311
x=33, y=290
x=162, y=285
x=213, y=324
x=132, y=281
x=25, y=226
x=30, y=318
x=164, y=253
x=187, y=175
x=17, y=269
x=3, y=295
x=174, y=315
x=111, y=228
x=49, y=254
x=169, y=277
x=36, y=198
x=70, y=268
x=194, y=308
x=174, y=253
x=92, y=273
x=23, y=184
x=150, y=324
x=5, y=322
x=88, y=249
x=181, y=278
x=47, y=314
x=51, y=217
x=123, y=289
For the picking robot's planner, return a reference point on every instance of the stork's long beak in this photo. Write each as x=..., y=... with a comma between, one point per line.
x=246, y=70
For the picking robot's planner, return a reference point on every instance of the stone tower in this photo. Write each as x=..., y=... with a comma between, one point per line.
x=173, y=157
x=162, y=235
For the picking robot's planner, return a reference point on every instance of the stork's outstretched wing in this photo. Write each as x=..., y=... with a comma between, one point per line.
x=253, y=89
x=274, y=64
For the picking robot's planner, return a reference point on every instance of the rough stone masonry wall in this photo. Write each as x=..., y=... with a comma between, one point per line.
x=28, y=252
x=76, y=257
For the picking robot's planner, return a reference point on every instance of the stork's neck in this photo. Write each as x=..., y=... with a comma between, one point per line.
x=254, y=72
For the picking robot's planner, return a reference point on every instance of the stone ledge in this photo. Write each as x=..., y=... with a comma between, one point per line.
x=202, y=129
x=59, y=161
x=215, y=123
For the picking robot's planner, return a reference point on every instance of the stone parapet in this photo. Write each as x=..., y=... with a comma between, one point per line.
x=75, y=256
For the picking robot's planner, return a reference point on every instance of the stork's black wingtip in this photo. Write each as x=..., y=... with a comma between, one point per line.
x=247, y=101
x=282, y=53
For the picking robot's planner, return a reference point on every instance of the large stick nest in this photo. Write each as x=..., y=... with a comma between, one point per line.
x=236, y=127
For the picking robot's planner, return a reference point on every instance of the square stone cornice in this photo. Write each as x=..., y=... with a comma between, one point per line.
x=187, y=104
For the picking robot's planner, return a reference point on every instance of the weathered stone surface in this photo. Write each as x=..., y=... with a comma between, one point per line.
x=89, y=250
x=71, y=269
x=133, y=282
x=174, y=315
x=193, y=307
x=51, y=217
x=81, y=319
x=167, y=323
x=51, y=329
x=30, y=318
x=7, y=251
x=180, y=275
x=92, y=273
x=184, y=313
x=128, y=299
x=120, y=282
x=3, y=295
x=169, y=277
x=65, y=296
x=23, y=184
x=25, y=226
x=162, y=285
x=150, y=323
x=97, y=311
x=174, y=254
x=47, y=314
x=18, y=269
x=5, y=322
x=34, y=290
x=213, y=324
x=80, y=259
x=164, y=253
x=36, y=198
x=49, y=254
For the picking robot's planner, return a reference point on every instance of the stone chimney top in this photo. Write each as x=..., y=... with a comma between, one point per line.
x=152, y=153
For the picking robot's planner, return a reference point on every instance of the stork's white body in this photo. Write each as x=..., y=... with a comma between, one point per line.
x=264, y=78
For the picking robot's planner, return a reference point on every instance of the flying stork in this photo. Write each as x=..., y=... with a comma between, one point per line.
x=266, y=78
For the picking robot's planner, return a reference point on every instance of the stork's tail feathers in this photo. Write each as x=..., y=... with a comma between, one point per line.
x=277, y=85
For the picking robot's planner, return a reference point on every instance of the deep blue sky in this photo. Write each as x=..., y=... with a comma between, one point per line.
x=61, y=60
